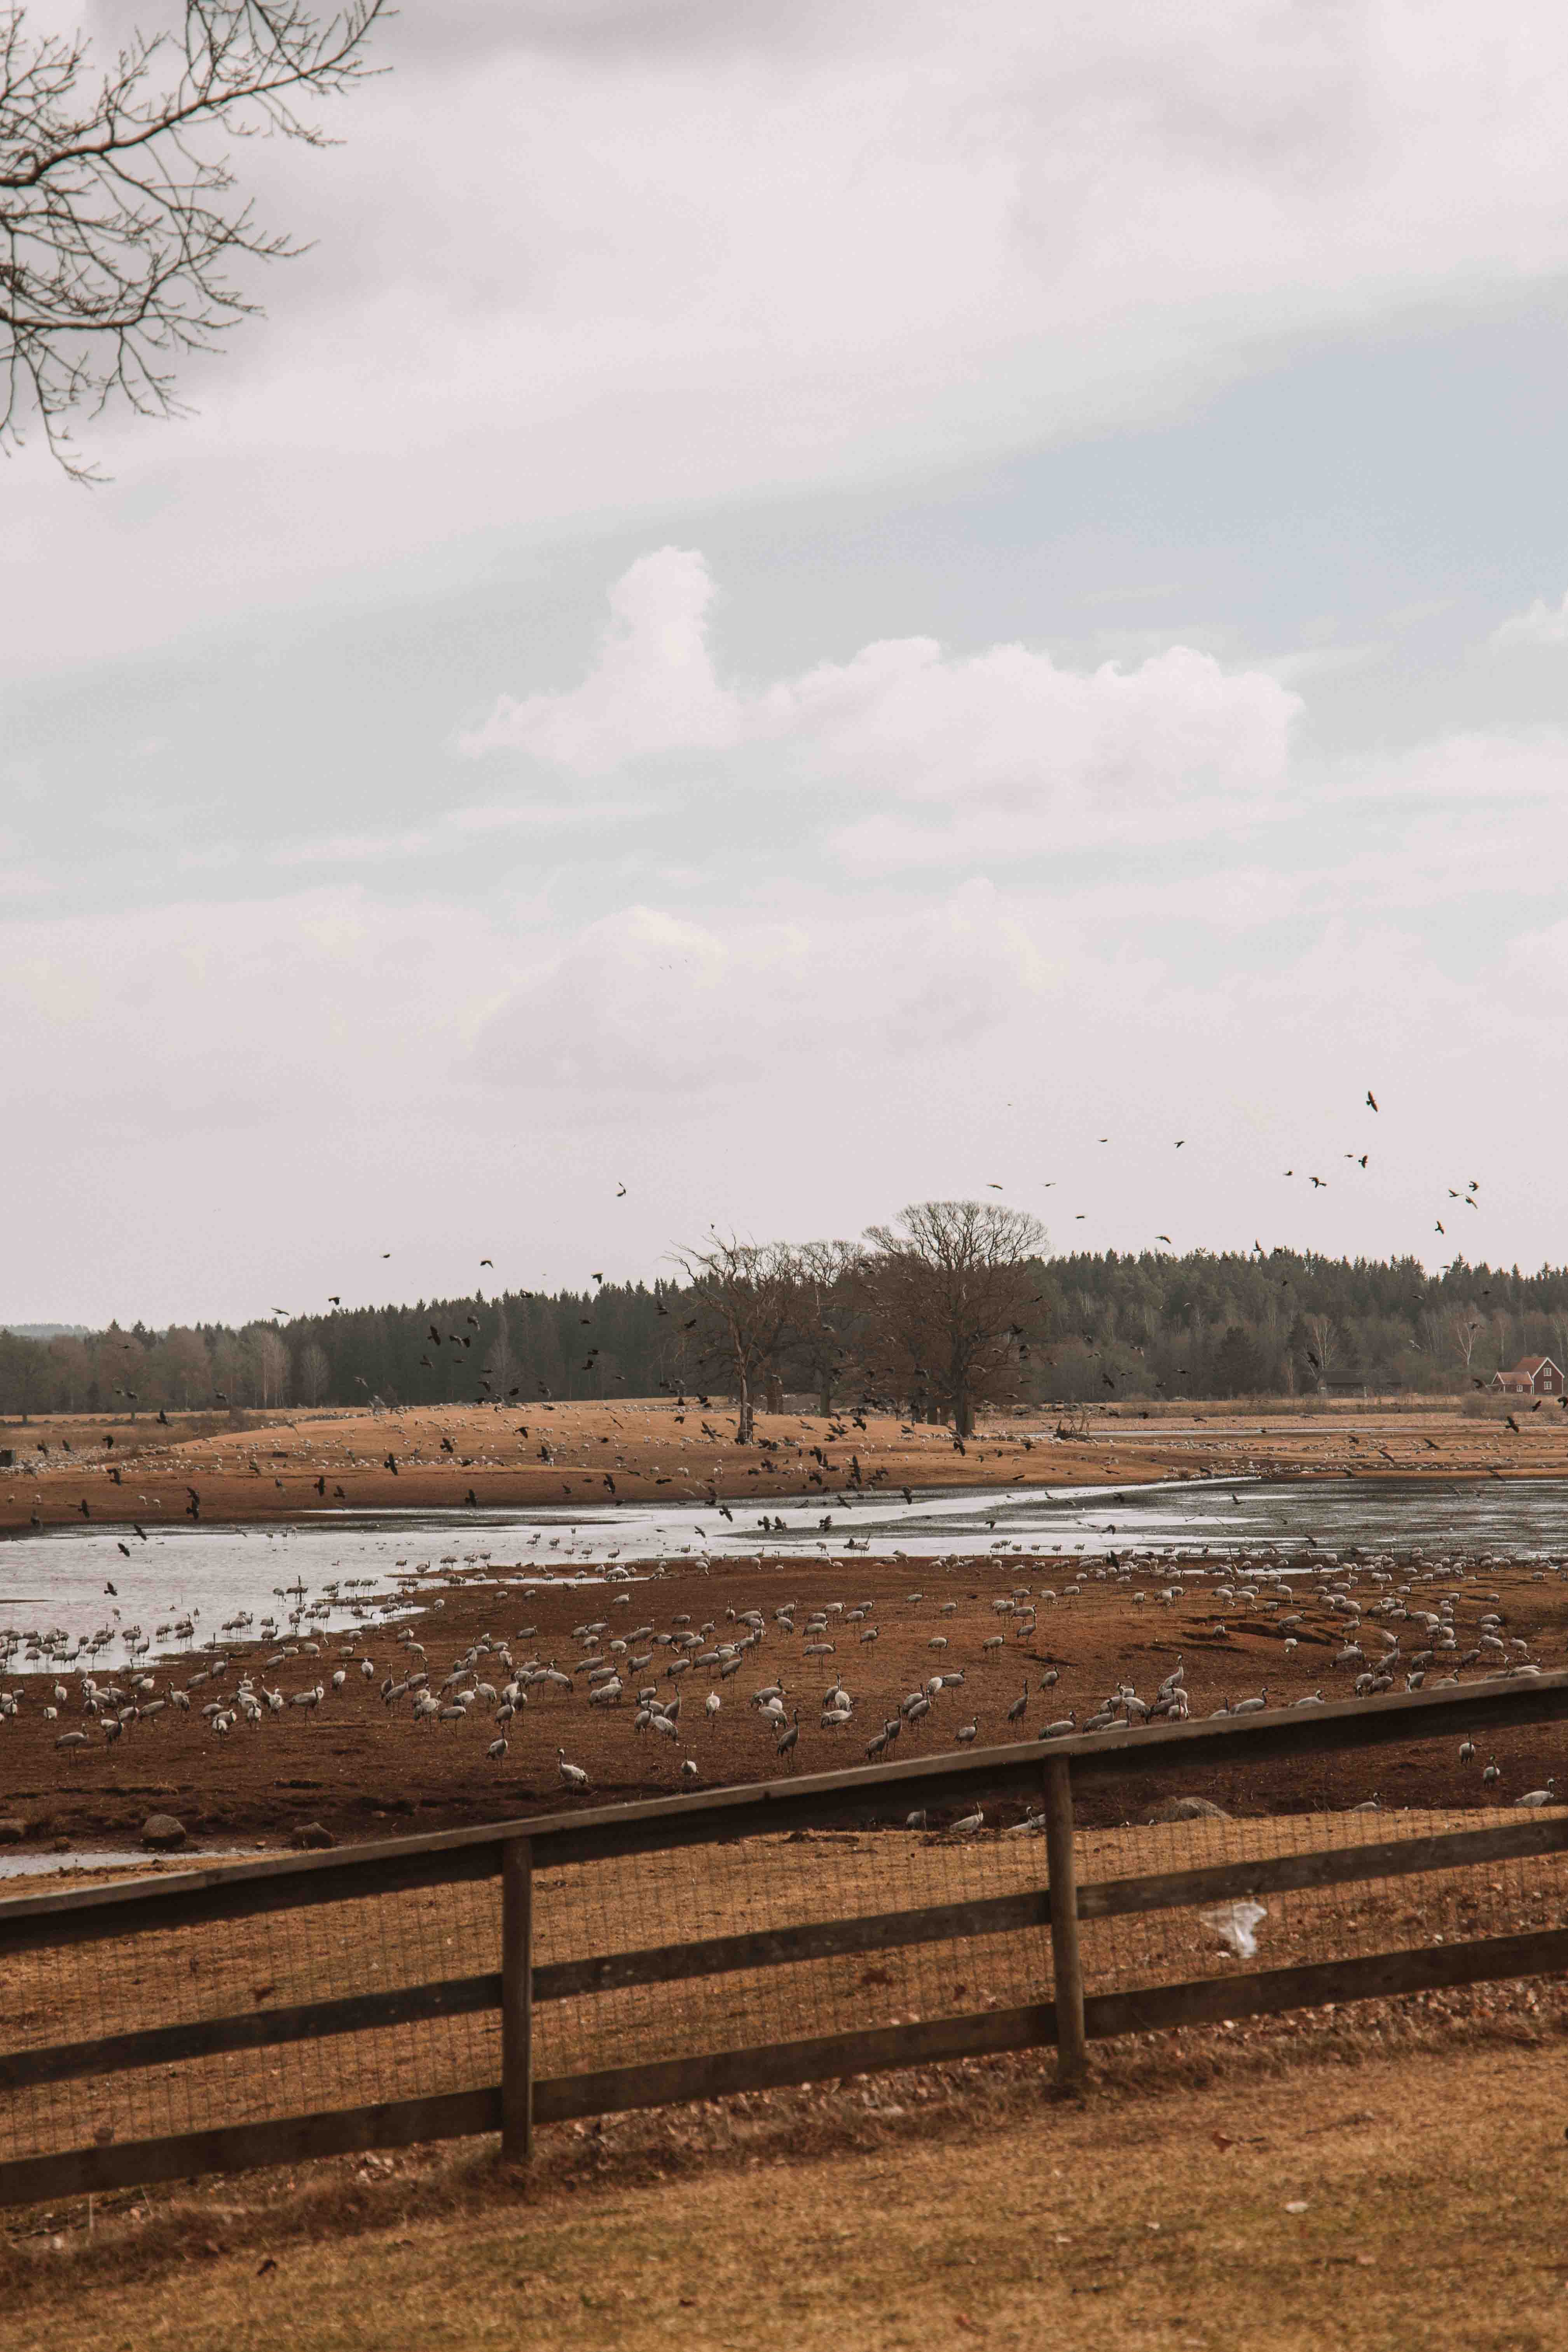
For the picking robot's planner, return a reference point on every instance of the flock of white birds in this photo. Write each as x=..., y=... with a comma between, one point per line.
x=1376, y=1621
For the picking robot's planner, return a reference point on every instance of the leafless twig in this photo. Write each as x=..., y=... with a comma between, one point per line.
x=119, y=223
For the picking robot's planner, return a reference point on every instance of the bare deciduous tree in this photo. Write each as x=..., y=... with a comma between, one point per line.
x=501, y=1363
x=949, y=1290
x=120, y=221
x=271, y=1357
x=313, y=1373
x=1323, y=1341
x=745, y=1295
x=1465, y=1328
x=828, y=1314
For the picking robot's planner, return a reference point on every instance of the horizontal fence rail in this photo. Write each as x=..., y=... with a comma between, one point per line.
x=517, y=1853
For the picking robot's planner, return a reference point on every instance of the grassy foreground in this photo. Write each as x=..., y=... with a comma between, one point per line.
x=1410, y=2197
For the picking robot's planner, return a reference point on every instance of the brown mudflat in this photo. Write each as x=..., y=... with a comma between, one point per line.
x=365, y=1768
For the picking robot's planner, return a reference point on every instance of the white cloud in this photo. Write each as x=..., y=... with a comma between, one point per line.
x=1543, y=625
x=929, y=756
x=653, y=689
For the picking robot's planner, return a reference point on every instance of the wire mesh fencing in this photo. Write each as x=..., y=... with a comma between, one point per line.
x=1262, y=1927
x=766, y=1886
x=250, y=1970
x=708, y=1933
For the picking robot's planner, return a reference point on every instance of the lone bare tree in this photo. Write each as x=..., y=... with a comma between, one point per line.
x=745, y=1294
x=119, y=215
x=949, y=1290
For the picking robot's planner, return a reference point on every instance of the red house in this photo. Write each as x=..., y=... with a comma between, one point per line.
x=1531, y=1376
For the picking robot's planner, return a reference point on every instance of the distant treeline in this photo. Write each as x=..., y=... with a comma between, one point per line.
x=1098, y=1328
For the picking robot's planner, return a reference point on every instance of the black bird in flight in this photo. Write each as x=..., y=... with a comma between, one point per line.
x=620, y=1191
x=109, y=1588
x=1370, y=1099
x=486, y=1261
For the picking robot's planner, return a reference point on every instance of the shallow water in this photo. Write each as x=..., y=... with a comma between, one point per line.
x=385, y=1562
x=51, y=1865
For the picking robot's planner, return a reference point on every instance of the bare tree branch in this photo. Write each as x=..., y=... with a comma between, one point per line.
x=119, y=219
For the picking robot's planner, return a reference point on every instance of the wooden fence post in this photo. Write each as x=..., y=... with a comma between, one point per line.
x=1072, y=2049
x=517, y=2001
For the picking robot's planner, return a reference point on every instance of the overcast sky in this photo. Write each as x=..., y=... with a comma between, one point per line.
x=800, y=606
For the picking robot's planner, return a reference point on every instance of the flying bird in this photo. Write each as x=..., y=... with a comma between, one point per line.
x=1164, y=1237
x=486, y=1261
x=1370, y=1099
x=620, y=1191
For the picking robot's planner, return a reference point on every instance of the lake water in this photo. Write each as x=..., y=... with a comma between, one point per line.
x=384, y=1563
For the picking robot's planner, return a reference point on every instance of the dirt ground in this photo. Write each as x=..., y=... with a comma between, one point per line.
x=1402, y=2187
x=648, y=1451
x=364, y=1767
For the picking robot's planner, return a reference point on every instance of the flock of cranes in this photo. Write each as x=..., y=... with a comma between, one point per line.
x=1375, y=1623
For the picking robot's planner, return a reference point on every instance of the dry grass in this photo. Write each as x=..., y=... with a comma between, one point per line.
x=1424, y=2143
x=567, y=1453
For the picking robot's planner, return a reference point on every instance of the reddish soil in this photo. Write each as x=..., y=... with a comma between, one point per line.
x=364, y=1771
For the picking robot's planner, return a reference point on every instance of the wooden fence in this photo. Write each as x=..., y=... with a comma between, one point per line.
x=513, y=1853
